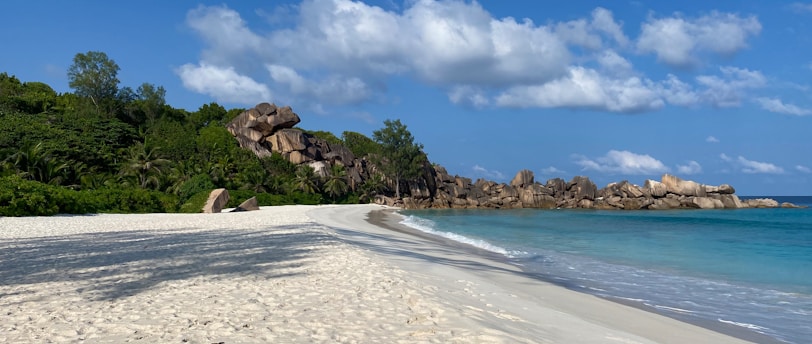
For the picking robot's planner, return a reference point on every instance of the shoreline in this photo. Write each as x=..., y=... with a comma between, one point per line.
x=390, y=219
x=289, y=274
x=438, y=260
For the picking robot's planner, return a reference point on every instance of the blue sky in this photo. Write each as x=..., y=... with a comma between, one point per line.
x=717, y=92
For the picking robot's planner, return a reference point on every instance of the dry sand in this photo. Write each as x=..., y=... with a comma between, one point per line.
x=285, y=274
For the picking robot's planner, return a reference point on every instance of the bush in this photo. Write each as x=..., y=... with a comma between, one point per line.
x=196, y=184
x=20, y=197
x=196, y=202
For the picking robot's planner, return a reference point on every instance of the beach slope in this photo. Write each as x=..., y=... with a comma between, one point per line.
x=285, y=274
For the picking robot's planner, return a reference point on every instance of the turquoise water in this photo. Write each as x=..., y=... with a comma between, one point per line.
x=750, y=268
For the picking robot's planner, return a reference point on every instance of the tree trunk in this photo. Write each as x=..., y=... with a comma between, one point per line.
x=397, y=186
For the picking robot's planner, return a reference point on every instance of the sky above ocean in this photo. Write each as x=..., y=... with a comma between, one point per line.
x=716, y=92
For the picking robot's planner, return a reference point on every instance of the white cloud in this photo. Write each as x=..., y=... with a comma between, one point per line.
x=692, y=167
x=622, y=162
x=803, y=169
x=468, y=96
x=585, y=88
x=486, y=173
x=681, y=42
x=777, y=106
x=750, y=166
x=552, y=171
x=224, y=84
x=333, y=89
x=589, y=33
x=730, y=88
x=801, y=7
x=344, y=52
x=712, y=139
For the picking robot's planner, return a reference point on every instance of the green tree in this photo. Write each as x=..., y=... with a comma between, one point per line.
x=336, y=184
x=305, y=179
x=145, y=165
x=372, y=186
x=359, y=144
x=95, y=76
x=401, y=158
x=152, y=100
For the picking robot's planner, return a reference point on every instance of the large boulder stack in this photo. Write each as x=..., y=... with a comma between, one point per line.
x=266, y=129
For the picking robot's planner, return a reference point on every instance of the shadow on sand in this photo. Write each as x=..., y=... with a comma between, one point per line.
x=119, y=264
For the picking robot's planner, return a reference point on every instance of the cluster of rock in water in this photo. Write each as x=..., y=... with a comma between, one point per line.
x=267, y=129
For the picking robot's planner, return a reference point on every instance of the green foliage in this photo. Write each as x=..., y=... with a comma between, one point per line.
x=195, y=185
x=29, y=97
x=20, y=197
x=326, y=136
x=264, y=199
x=336, y=185
x=214, y=143
x=305, y=180
x=144, y=165
x=208, y=114
x=95, y=76
x=171, y=140
x=195, y=203
x=359, y=144
x=401, y=158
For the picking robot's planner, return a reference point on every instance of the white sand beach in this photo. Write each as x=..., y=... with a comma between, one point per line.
x=289, y=274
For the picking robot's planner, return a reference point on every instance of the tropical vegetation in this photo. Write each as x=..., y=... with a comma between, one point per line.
x=108, y=148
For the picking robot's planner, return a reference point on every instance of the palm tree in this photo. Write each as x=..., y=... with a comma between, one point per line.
x=36, y=163
x=145, y=165
x=256, y=179
x=372, y=186
x=336, y=184
x=305, y=179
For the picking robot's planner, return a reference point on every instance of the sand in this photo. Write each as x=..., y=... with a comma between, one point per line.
x=289, y=274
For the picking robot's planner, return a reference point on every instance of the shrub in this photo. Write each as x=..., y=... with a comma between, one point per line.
x=196, y=202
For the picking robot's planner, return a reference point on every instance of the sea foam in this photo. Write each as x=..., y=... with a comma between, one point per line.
x=427, y=226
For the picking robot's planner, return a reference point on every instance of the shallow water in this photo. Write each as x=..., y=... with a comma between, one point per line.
x=750, y=268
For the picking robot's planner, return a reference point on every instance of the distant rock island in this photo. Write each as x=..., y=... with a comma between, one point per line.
x=267, y=129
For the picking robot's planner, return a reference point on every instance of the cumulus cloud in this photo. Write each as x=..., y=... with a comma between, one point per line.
x=222, y=83
x=480, y=171
x=345, y=52
x=712, y=139
x=622, y=162
x=468, y=96
x=803, y=169
x=692, y=167
x=586, y=89
x=729, y=88
x=750, y=166
x=590, y=33
x=681, y=42
x=778, y=106
x=334, y=89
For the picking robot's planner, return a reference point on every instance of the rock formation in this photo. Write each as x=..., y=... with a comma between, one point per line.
x=580, y=192
x=250, y=204
x=218, y=199
x=267, y=129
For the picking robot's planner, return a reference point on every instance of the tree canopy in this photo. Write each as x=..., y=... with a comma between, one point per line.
x=401, y=157
x=95, y=76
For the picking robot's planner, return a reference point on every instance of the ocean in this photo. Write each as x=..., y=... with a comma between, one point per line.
x=750, y=268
